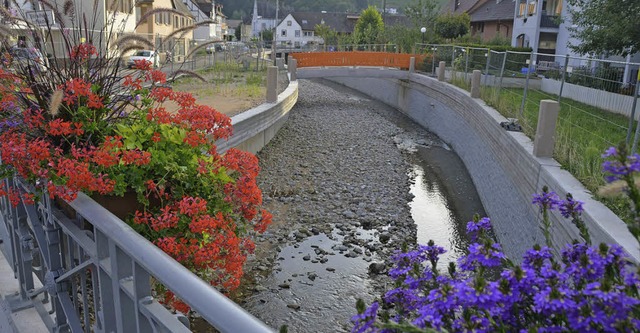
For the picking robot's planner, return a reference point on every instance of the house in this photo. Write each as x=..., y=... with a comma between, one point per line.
x=108, y=19
x=489, y=18
x=203, y=10
x=246, y=29
x=298, y=29
x=231, y=30
x=160, y=26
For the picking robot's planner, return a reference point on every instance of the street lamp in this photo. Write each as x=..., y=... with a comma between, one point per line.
x=423, y=30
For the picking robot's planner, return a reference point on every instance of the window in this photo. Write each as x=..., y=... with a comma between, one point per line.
x=308, y=33
x=297, y=33
x=304, y=21
x=157, y=18
x=264, y=26
x=456, y=4
x=175, y=21
x=481, y=27
x=289, y=23
x=283, y=33
x=296, y=44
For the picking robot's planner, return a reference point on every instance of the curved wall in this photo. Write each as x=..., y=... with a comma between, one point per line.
x=501, y=163
x=254, y=128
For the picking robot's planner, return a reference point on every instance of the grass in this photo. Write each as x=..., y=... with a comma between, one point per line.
x=228, y=79
x=583, y=132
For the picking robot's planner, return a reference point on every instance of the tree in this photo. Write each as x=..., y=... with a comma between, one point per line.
x=267, y=35
x=422, y=13
x=368, y=27
x=238, y=32
x=605, y=26
x=451, y=26
x=329, y=35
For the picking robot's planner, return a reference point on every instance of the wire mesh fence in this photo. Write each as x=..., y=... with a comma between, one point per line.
x=598, y=98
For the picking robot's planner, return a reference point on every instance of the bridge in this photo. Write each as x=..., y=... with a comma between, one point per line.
x=94, y=273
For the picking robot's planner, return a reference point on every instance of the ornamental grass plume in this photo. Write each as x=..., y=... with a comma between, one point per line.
x=584, y=289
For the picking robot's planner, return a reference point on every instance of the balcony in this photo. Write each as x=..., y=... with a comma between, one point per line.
x=550, y=21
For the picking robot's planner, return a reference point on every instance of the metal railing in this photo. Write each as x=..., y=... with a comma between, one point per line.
x=98, y=274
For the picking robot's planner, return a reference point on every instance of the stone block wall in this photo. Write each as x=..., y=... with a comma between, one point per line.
x=501, y=163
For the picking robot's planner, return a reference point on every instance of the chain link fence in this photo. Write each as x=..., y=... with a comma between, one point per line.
x=598, y=98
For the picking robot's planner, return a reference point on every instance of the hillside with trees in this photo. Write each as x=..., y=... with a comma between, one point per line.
x=237, y=9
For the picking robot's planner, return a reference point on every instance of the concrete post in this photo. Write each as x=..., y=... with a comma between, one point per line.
x=412, y=65
x=441, y=66
x=280, y=63
x=293, y=68
x=546, y=130
x=475, y=83
x=272, y=84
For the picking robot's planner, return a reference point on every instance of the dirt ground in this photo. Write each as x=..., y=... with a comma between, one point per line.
x=230, y=98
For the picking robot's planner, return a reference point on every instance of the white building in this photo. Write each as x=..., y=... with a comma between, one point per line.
x=108, y=20
x=544, y=26
x=204, y=10
x=263, y=17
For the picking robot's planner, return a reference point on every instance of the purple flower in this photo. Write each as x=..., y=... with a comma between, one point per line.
x=610, y=152
x=546, y=200
x=364, y=322
x=474, y=229
x=571, y=208
x=481, y=255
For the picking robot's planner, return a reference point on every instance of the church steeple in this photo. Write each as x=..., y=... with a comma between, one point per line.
x=254, y=19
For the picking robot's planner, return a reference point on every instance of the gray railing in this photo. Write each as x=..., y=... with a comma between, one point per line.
x=97, y=273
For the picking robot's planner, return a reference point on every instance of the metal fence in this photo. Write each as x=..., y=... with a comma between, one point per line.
x=598, y=98
x=97, y=274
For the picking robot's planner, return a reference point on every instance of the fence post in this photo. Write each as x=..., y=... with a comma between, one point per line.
x=632, y=118
x=272, y=84
x=526, y=87
x=453, y=57
x=293, y=68
x=504, y=63
x=441, y=67
x=475, y=83
x=486, y=72
x=545, y=132
x=466, y=63
x=412, y=65
x=564, y=76
x=433, y=60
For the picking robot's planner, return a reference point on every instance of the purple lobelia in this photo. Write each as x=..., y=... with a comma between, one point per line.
x=584, y=289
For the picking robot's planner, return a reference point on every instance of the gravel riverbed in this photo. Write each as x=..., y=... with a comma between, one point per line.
x=336, y=179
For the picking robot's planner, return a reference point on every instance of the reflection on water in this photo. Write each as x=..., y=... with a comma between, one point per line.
x=444, y=200
x=434, y=219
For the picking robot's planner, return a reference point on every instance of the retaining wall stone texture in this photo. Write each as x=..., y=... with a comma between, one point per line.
x=501, y=163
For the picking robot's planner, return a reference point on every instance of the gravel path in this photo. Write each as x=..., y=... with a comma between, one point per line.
x=337, y=185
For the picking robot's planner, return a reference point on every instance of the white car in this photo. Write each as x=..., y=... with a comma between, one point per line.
x=148, y=55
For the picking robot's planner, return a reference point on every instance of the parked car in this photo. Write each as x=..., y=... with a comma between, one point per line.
x=148, y=55
x=217, y=47
x=24, y=57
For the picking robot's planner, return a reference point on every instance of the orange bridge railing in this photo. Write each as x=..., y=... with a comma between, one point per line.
x=356, y=58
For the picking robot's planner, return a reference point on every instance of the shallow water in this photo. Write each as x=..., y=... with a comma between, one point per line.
x=314, y=282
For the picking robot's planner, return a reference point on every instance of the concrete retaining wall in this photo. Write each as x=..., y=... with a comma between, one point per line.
x=501, y=163
x=254, y=128
x=599, y=98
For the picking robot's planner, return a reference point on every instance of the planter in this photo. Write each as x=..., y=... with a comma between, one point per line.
x=122, y=207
